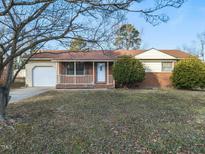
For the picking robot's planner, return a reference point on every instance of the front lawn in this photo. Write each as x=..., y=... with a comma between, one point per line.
x=114, y=121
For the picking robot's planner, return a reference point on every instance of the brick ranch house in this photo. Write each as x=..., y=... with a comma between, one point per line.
x=93, y=69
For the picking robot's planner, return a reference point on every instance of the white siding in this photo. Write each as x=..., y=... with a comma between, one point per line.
x=154, y=54
x=155, y=65
x=21, y=74
x=152, y=66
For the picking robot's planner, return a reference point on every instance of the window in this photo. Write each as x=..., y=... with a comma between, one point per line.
x=70, y=68
x=166, y=66
x=80, y=68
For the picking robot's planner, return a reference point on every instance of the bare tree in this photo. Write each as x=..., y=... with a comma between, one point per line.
x=201, y=38
x=30, y=24
x=190, y=48
x=197, y=47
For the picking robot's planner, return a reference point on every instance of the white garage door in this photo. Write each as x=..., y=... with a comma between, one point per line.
x=44, y=76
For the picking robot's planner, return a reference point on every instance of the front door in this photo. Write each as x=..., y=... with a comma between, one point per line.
x=100, y=72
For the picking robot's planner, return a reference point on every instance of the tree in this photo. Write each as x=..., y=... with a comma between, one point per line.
x=189, y=74
x=201, y=38
x=28, y=25
x=77, y=44
x=197, y=47
x=128, y=71
x=127, y=37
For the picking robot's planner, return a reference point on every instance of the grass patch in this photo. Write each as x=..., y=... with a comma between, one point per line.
x=117, y=121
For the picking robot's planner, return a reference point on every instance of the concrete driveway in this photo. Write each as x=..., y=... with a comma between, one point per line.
x=23, y=93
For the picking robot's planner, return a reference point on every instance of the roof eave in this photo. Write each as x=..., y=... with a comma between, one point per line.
x=83, y=60
x=40, y=59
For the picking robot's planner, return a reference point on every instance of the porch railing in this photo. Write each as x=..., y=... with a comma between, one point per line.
x=80, y=79
x=72, y=79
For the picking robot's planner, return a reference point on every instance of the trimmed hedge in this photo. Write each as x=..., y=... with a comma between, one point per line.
x=189, y=74
x=128, y=71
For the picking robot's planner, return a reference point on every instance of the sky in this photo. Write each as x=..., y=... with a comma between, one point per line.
x=182, y=29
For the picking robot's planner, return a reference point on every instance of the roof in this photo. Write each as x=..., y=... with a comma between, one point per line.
x=176, y=53
x=86, y=55
x=99, y=54
x=76, y=55
x=45, y=55
x=127, y=52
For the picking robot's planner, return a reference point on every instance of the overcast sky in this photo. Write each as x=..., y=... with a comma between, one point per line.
x=182, y=28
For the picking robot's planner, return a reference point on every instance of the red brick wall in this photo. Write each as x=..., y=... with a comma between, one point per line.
x=159, y=80
x=65, y=86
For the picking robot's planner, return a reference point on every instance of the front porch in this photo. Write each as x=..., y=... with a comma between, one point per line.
x=81, y=74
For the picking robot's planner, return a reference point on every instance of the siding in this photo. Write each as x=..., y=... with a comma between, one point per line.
x=153, y=66
x=21, y=74
x=154, y=54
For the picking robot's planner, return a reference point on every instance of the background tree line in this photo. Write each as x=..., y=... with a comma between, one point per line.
x=126, y=37
x=197, y=47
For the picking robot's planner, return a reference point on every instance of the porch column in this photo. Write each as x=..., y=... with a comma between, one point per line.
x=93, y=72
x=75, y=72
x=107, y=73
x=173, y=63
x=57, y=68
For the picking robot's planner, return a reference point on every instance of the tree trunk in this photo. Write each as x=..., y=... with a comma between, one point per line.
x=4, y=99
x=5, y=90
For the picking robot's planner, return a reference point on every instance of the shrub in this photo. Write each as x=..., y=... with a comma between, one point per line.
x=189, y=74
x=128, y=71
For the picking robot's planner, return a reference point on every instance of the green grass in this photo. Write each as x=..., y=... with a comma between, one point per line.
x=115, y=121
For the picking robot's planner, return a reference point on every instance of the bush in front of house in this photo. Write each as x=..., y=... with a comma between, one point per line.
x=189, y=74
x=128, y=72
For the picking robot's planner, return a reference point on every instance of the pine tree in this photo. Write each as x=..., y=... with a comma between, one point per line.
x=127, y=37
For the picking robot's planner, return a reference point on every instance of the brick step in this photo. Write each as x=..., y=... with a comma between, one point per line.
x=67, y=86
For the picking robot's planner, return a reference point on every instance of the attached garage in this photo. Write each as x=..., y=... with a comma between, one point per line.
x=41, y=74
x=44, y=76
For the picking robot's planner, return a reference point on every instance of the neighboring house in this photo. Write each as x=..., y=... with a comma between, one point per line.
x=93, y=69
x=21, y=73
x=20, y=77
